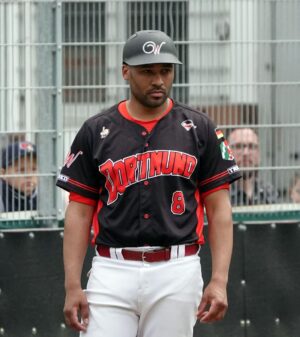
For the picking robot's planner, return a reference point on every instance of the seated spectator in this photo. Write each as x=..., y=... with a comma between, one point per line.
x=18, y=184
x=295, y=189
x=250, y=190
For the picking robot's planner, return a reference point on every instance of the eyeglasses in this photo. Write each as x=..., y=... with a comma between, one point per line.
x=243, y=146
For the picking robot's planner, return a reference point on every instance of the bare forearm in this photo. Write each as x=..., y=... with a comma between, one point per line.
x=76, y=238
x=213, y=305
x=220, y=231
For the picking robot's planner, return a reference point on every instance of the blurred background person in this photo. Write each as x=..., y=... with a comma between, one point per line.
x=295, y=189
x=18, y=183
x=250, y=190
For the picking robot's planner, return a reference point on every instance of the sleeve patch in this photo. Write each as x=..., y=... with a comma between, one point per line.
x=226, y=151
x=219, y=134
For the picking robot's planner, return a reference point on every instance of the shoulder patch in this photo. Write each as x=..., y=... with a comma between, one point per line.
x=226, y=151
x=219, y=134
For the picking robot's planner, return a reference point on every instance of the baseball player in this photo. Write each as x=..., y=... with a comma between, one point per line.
x=141, y=174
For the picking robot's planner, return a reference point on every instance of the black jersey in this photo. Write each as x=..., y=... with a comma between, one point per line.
x=148, y=186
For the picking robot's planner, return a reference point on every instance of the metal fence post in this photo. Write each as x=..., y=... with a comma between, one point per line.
x=58, y=113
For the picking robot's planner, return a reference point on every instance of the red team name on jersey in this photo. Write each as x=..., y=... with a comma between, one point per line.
x=130, y=170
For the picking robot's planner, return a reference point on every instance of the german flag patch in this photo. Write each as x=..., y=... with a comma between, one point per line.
x=219, y=134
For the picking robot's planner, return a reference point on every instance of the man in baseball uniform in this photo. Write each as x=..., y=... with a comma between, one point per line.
x=141, y=174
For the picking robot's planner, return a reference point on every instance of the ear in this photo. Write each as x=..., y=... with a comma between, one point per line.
x=125, y=72
x=2, y=171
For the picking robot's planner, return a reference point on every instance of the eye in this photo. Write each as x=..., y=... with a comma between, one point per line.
x=166, y=70
x=146, y=71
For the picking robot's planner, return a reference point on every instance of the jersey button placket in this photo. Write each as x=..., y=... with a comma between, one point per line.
x=145, y=192
x=145, y=135
x=146, y=214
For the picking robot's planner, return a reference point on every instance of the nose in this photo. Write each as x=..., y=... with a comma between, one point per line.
x=246, y=150
x=157, y=79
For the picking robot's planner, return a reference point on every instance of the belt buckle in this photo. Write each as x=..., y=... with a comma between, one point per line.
x=144, y=257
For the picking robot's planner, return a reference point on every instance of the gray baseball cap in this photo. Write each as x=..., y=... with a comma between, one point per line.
x=149, y=47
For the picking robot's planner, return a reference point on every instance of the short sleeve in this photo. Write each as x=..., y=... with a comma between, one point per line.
x=217, y=163
x=80, y=173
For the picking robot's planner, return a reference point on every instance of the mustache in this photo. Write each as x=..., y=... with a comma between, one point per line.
x=157, y=89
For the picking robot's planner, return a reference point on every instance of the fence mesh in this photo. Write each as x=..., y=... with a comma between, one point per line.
x=60, y=62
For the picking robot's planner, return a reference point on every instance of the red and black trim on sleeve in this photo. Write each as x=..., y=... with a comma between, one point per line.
x=148, y=184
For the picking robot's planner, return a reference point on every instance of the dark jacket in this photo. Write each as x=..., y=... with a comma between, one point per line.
x=13, y=200
x=263, y=194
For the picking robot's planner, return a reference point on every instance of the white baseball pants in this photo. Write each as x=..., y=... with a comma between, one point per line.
x=140, y=299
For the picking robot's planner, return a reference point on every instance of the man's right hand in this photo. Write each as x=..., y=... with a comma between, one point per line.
x=76, y=309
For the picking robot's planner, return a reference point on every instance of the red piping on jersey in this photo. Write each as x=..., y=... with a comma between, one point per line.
x=148, y=125
x=225, y=186
x=217, y=176
x=200, y=218
x=73, y=196
x=88, y=188
x=96, y=224
x=199, y=212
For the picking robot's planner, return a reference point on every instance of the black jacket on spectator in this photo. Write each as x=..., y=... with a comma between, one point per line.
x=13, y=200
x=263, y=194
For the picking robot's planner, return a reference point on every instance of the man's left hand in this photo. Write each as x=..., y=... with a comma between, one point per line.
x=214, y=304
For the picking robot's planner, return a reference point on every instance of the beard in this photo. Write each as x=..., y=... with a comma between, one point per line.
x=149, y=101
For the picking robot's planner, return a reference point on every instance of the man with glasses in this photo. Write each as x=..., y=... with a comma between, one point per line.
x=250, y=190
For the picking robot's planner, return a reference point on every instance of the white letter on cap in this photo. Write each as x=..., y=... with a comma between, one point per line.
x=150, y=47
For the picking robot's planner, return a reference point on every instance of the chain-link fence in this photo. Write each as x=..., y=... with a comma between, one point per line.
x=60, y=62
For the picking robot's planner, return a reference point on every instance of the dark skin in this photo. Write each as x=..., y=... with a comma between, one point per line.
x=213, y=305
x=78, y=220
x=150, y=86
